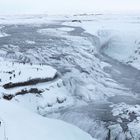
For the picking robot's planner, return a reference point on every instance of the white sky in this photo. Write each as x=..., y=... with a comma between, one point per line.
x=66, y=6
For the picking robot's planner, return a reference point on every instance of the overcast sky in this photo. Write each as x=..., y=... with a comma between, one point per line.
x=66, y=6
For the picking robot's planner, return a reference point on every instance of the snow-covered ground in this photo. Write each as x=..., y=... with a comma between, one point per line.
x=29, y=19
x=53, y=95
x=46, y=95
x=117, y=32
x=20, y=72
x=85, y=87
x=3, y=34
x=18, y=123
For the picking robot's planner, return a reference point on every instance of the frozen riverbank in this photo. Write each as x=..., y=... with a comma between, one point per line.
x=92, y=82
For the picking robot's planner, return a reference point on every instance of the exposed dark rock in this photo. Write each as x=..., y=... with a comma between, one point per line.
x=35, y=90
x=60, y=101
x=76, y=21
x=8, y=96
x=32, y=90
x=10, y=72
x=29, y=82
x=136, y=51
x=49, y=105
x=22, y=92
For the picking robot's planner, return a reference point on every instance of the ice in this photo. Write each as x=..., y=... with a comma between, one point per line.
x=91, y=58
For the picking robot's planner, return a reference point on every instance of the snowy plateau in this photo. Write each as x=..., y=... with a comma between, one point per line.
x=73, y=77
